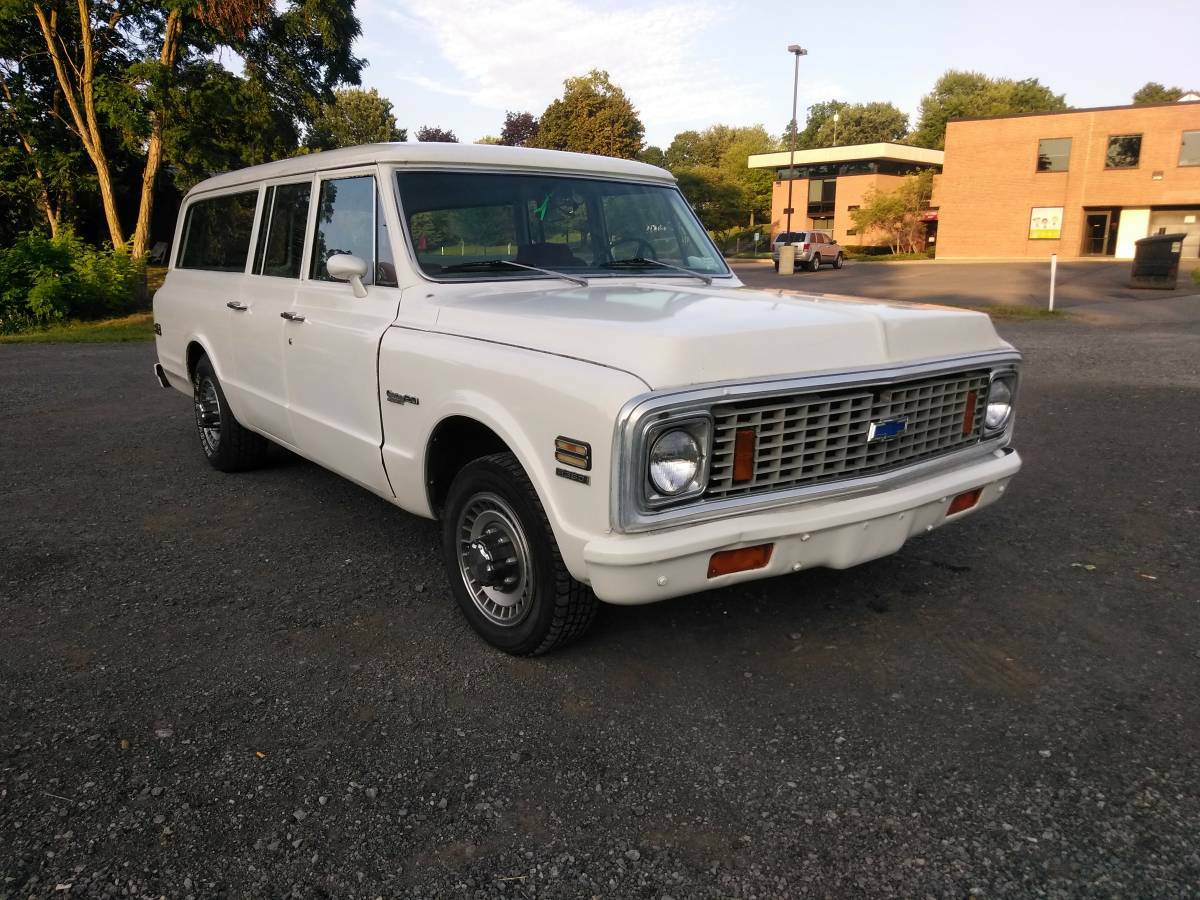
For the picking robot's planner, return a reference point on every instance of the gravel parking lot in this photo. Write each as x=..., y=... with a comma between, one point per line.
x=257, y=685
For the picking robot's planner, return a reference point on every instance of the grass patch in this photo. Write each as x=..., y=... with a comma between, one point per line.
x=1019, y=312
x=887, y=257
x=137, y=327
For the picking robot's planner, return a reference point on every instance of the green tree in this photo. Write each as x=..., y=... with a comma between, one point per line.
x=354, y=117
x=725, y=149
x=717, y=200
x=592, y=116
x=861, y=123
x=117, y=68
x=1153, y=92
x=519, y=130
x=959, y=95
x=897, y=213
x=818, y=115
x=653, y=156
x=431, y=134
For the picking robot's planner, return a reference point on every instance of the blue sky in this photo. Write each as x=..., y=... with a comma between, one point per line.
x=460, y=64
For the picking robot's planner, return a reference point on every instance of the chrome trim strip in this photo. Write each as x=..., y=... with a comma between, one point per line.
x=629, y=514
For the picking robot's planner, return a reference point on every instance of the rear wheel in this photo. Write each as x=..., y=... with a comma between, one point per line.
x=815, y=262
x=505, y=570
x=227, y=446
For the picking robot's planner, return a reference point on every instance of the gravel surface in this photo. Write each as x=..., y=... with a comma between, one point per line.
x=257, y=685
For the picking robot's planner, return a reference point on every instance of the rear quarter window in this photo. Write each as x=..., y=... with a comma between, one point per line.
x=216, y=232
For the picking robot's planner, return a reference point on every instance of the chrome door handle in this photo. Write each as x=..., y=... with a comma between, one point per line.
x=291, y=316
x=238, y=307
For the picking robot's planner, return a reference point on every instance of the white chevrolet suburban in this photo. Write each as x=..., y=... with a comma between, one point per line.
x=546, y=352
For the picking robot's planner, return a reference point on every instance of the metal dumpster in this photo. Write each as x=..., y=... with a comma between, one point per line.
x=1156, y=261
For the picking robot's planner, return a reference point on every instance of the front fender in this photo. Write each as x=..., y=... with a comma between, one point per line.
x=527, y=398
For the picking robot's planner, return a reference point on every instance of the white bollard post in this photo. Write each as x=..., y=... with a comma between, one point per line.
x=1053, y=277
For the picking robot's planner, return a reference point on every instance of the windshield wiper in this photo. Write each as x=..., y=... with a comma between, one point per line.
x=492, y=264
x=641, y=262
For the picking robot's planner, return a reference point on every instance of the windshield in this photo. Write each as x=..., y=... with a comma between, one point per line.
x=467, y=225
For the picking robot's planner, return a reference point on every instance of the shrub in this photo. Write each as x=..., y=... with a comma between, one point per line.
x=45, y=280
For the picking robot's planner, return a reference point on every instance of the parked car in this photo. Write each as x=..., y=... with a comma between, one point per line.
x=546, y=352
x=813, y=249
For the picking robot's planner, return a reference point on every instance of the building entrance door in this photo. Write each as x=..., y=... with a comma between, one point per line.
x=1099, y=234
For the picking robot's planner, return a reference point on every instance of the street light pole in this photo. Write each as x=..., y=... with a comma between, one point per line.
x=798, y=52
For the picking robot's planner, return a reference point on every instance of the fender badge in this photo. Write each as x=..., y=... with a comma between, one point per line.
x=393, y=397
x=573, y=476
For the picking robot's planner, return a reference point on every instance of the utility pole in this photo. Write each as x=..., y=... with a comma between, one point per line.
x=797, y=51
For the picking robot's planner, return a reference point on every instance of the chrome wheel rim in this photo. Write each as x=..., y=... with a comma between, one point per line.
x=208, y=415
x=494, y=560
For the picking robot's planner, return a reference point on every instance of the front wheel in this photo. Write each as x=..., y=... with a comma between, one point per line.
x=815, y=263
x=837, y=263
x=505, y=570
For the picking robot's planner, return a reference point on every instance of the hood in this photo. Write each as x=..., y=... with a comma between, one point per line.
x=670, y=335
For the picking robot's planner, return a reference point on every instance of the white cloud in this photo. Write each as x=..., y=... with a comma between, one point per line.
x=515, y=55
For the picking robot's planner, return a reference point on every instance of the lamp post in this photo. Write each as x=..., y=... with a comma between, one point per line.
x=797, y=51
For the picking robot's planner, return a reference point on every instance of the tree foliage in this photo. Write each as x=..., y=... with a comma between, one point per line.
x=718, y=201
x=724, y=149
x=862, y=123
x=592, y=116
x=431, y=134
x=119, y=77
x=520, y=129
x=1153, y=92
x=958, y=95
x=354, y=117
x=896, y=214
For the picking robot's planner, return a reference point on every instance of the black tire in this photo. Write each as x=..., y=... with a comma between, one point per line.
x=776, y=265
x=227, y=446
x=837, y=263
x=557, y=609
x=815, y=263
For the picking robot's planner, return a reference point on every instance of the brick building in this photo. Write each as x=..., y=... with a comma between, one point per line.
x=829, y=183
x=1086, y=182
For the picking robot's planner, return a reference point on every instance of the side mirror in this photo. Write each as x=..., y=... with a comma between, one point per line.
x=349, y=268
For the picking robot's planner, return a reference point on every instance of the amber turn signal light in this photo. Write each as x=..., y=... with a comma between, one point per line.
x=969, y=413
x=726, y=562
x=964, y=501
x=743, y=455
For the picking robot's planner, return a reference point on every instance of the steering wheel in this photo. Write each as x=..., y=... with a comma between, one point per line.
x=645, y=250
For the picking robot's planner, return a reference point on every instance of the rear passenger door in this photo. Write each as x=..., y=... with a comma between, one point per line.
x=332, y=340
x=269, y=291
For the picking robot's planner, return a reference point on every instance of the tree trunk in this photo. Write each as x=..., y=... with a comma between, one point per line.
x=44, y=201
x=80, y=96
x=154, y=148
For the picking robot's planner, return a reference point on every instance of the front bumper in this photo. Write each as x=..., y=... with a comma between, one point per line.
x=836, y=533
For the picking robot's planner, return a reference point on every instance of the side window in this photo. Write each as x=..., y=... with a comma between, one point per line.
x=281, y=233
x=216, y=233
x=345, y=224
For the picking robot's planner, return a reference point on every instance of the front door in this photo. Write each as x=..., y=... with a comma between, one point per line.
x=332, y=337
x=1095, y=233
x=267, y=293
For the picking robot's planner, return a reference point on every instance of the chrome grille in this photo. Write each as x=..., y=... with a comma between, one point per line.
x=820, y=436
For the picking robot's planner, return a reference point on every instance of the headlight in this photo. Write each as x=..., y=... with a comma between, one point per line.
x=999, y=404
x=675, y=462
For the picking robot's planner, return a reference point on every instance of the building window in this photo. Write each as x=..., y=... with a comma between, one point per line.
x=1054, y=154
x=1124, y=151
x=1189, y=150
x=821, y=196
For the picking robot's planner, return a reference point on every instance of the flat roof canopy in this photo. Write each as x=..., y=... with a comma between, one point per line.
x=849, y=153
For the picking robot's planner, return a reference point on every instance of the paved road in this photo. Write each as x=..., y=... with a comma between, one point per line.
x=256, y=685
x=1081, y=284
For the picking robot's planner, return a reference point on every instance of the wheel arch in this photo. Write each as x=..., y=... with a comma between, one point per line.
x=455, y=441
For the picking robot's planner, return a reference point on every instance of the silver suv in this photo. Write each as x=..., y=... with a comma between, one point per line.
x=813, y=249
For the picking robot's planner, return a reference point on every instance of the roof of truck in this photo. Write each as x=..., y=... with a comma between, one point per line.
x=438, y=154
